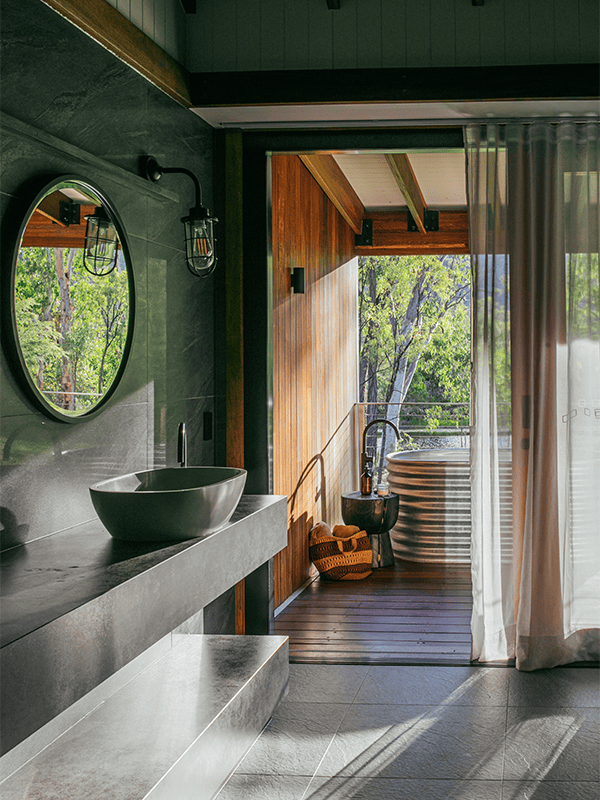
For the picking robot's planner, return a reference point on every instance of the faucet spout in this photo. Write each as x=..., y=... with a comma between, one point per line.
x=364, y=438
x=181, y=445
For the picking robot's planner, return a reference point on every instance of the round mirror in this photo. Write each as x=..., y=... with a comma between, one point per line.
x=72, y=299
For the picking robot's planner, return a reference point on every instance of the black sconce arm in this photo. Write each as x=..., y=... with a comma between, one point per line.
x=154, y=171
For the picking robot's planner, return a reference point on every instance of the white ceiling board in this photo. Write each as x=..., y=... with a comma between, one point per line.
x=373, y=114
x=441, y=177
x=371, y=179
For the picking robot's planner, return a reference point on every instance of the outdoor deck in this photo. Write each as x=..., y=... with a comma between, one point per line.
x=405, y=614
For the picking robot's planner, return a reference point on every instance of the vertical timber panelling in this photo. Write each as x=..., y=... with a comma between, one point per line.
x=163, y=21
x=315, y=341
x=304, y=34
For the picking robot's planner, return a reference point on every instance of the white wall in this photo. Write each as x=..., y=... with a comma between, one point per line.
x=163, y=21
x=304, y=34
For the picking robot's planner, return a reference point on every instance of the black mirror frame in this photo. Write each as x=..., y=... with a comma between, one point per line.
x=17, y=218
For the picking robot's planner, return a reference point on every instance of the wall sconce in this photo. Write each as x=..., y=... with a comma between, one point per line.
x=298, y=280
x=101, y=243
x=198, y=225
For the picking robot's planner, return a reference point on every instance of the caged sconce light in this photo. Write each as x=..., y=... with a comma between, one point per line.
x=101, y=245
x=198, y=225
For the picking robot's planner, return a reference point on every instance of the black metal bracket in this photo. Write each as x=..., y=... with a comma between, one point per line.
x=365, y=237
x=431, y=220
x=333, y=5
x=477, y=2
x=69, y=212
x=189, y=6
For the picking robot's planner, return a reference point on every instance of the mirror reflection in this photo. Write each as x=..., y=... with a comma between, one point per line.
x=72, y=321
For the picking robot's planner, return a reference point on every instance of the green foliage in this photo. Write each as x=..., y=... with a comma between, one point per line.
x=72, y=326
x=415, y=331
x=583, y=295
x=37, y=337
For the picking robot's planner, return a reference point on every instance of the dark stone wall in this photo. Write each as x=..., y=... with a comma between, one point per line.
x=60, y=82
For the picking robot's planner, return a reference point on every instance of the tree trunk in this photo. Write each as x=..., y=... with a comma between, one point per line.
x=65, y=314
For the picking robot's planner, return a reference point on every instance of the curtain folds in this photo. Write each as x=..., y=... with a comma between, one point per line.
x=535, y=438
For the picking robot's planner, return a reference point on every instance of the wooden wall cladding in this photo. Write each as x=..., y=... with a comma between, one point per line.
x=315, y=352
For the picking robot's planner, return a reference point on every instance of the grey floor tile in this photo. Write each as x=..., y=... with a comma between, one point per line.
x=295, y=740
x=324, y=683
x=264, y=787
x=554, y=744
x=562, y=686
x=422, y=742
x=401, y=789
x=550, y=790
x=434, y=685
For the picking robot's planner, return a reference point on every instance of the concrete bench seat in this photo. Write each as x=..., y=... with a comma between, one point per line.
x=176, y=730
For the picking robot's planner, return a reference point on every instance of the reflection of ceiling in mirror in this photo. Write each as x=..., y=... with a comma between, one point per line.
x=77, y=196
x=45, y=229
x=56, y=304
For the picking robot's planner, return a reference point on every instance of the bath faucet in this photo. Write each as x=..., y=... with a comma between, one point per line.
x=181, y=445
x=364, y=438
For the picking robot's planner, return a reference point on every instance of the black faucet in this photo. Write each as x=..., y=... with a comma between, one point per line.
x=363, y=456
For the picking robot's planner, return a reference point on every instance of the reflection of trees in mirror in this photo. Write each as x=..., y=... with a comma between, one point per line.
x=72, y=326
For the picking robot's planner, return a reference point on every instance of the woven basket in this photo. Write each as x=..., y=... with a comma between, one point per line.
x=344, y=554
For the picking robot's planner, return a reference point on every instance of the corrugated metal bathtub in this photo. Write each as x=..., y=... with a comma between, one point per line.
x=434, y=519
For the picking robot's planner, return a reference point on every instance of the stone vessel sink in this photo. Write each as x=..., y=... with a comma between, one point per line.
x=172, y=504
x=375, y=515
x=372, y=513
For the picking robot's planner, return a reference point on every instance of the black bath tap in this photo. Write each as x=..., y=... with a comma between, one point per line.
x=364, y=456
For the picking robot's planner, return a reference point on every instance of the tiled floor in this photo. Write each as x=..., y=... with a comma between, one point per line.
x=427, y=733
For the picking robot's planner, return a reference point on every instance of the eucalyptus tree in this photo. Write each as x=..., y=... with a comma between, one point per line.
x=412, y=308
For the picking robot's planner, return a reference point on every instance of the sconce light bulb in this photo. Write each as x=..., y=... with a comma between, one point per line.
x=200, y=242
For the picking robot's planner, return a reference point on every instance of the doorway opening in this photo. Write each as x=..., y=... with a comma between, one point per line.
x=412, y=612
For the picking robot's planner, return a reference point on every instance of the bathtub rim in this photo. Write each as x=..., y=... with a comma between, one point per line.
x=459, y=455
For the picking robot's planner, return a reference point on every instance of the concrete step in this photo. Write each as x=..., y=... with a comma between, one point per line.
x=177, y=730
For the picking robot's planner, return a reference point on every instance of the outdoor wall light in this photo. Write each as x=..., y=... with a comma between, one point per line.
x=198, y=225
x=298, y=280
x=101, y=243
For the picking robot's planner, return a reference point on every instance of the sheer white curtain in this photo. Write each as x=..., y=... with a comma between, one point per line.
x=535, y=440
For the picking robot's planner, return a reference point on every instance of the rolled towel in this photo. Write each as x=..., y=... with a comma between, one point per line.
x=320, y=529
x=344, y=531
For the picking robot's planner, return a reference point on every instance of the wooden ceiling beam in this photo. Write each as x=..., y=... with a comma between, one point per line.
x=391, y=237
x=50, y=208
x=121, y=37
x=327, y=173
x=407, y=183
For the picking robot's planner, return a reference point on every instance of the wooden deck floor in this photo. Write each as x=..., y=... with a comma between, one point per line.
x=405, y=614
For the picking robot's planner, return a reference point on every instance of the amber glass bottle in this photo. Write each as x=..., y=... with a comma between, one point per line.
x=366, y=479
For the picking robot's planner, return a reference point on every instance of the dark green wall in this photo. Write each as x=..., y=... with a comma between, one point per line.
x=62, y=84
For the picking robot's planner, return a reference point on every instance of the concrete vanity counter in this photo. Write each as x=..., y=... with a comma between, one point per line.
x=78, y=606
